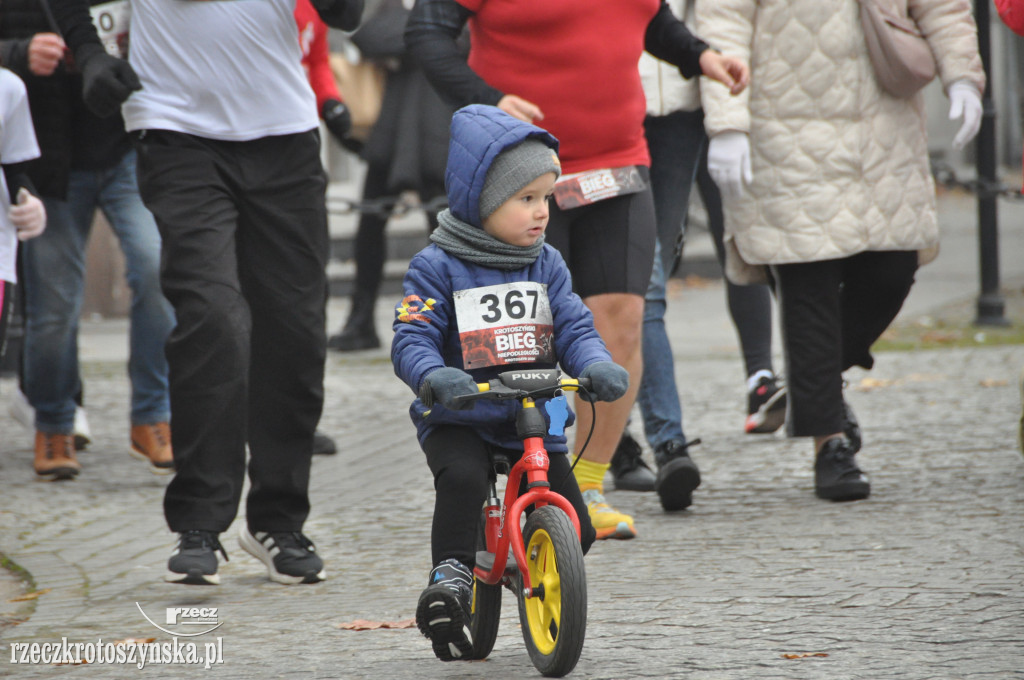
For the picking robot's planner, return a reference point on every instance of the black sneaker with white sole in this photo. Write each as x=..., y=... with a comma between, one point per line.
x=290, y=557
x=194, y=560
x=444, y=609
x=766, y=406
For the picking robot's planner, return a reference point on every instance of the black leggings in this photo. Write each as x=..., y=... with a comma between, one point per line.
x=459, y=459
x=832, y=312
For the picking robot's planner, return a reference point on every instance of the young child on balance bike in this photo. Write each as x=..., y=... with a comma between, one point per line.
x=488, y=296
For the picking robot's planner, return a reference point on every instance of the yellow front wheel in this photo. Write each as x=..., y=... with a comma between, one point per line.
x=554, y=620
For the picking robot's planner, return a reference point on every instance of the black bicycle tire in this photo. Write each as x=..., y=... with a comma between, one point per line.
x=572, y=624
x=483, y=622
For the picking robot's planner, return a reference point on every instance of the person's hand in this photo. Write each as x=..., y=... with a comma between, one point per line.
x=448, y=383
x=965, y=102
x=608, y=381
x=732, y=72
x=518, y=107
x=45, y=51
x=337, y=118
x=106, y=80
x=729, y=162
x=28, y=215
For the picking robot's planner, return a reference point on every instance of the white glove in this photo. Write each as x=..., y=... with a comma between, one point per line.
x=28, y=215
x=729, y=162
x=964, y=101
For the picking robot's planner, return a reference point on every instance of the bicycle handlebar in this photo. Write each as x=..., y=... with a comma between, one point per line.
x=518, y=384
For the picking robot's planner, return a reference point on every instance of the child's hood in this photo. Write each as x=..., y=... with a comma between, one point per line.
x=478, y=134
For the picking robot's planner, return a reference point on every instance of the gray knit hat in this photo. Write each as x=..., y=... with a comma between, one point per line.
x=513, y=169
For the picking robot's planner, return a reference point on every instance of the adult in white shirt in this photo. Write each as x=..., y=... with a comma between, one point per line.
x=225, y=125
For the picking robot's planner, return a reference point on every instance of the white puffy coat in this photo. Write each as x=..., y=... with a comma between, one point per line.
x=839, y=166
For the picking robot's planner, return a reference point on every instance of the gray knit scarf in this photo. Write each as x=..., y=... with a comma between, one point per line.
x=475, y=245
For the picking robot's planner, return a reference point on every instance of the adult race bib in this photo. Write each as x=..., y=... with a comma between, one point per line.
x=111, y=20
x=508, y=323
x=584, y=188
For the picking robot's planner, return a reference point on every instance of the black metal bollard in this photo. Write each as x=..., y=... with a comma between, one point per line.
x=990, y=306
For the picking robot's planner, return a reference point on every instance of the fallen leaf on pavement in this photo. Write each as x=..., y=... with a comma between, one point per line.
x=363, y=624
x=994, y=382
x=30, y=596
x=873, y=383
x=940, y=337
x=804, y=655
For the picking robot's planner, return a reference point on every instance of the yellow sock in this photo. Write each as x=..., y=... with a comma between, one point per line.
x=590, y=475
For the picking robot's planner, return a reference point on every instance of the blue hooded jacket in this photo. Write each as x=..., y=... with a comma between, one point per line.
x=478, y=134
x=426, y=326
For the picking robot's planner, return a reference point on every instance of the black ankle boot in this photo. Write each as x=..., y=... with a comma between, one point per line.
x=836, y=475
x=678, y=475
x=358, y=332
x=851, y=427
x=628, y=468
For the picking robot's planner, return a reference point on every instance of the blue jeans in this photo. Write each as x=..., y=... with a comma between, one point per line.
x=54, y=268
x=676, y=142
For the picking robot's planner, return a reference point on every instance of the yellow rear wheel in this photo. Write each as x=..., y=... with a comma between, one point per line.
x=486, y=613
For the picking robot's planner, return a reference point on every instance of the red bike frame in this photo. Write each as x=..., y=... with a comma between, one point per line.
x=502, y=527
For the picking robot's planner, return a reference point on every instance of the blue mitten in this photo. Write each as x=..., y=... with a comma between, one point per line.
x=448, y=383
x=608, y=381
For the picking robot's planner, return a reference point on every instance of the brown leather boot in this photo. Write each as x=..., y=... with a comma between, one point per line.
x=55, y=456
x=152, y=443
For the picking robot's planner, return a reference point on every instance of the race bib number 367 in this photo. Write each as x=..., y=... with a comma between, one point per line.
x=508, y=323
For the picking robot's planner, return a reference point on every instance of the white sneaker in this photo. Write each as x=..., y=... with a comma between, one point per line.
x=22, y=411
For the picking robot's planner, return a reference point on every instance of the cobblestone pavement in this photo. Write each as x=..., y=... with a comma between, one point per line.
x=925, y=580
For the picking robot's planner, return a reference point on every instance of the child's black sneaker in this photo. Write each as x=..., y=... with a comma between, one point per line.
x=194, y=560
x=443, y=612
x=290, y=557
x=766, y=406
x=836, y=475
